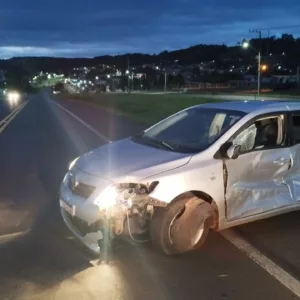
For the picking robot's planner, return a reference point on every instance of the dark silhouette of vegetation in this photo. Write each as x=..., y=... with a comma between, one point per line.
x=284, y=50
x=222, y=56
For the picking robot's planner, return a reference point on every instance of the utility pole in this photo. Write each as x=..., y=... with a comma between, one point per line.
x=128, y=66
x=259, y=60
x=268, y=43
x=165, y=82
x=298, y=74
x=132, y=84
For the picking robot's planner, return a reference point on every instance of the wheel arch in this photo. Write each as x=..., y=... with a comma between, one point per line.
x=204, y=196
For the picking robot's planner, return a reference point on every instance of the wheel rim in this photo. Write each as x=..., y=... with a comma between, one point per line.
x=197, y=235
x=171, y=225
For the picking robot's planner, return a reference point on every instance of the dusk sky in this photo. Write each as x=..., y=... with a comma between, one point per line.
x=89, y=28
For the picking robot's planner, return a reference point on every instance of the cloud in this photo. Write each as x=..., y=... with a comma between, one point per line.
x=89, y=28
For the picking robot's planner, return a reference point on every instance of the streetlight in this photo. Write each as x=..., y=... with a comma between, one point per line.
x=128, y=84
x=108, y=77
x=246, y=45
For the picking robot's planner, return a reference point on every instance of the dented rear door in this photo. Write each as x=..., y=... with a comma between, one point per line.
x=258, y=181
x=293, y=178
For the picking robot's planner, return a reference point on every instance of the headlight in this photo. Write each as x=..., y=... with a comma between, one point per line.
x=13, y=96
x=107, y=199
x=123, y=194
x=72, y=164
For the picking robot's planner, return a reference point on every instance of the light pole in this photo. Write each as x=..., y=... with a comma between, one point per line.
x=246, y=45
x=108, y=77
x=127, y=73
x=165, y=82
x=132, y=83
x=258, y=73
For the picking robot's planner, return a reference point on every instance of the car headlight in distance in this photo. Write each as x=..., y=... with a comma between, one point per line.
x=107, y=199
x=13, y=96
x=72, y=164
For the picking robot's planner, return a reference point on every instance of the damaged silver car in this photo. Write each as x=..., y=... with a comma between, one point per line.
x=211, y=166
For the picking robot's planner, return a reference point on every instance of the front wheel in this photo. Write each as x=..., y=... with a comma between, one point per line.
x=182, y=226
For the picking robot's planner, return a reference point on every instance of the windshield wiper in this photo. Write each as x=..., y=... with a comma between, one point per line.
x=154, y=142
x=166, y=145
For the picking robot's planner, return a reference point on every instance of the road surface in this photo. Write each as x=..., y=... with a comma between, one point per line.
x=46, y=263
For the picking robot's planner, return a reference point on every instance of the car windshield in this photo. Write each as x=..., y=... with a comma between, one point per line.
x=191, y=130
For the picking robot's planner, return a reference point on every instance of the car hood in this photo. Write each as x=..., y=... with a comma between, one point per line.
x=126, y=158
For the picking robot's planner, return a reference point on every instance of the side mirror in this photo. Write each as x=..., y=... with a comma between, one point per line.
x=233, y=151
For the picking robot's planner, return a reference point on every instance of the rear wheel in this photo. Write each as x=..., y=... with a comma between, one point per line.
x=182, y=226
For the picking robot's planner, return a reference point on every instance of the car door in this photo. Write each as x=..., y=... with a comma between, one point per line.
x=256, y=180
x=293, y=180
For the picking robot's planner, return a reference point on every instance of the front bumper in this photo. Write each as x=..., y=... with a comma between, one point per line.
x=83, y=219
x=90, y=240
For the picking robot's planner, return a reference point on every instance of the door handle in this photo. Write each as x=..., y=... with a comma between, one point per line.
x=282, y=161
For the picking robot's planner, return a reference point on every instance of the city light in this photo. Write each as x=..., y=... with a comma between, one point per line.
x=264, y=67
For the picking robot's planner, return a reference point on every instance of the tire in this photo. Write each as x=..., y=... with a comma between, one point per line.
x=182, y=226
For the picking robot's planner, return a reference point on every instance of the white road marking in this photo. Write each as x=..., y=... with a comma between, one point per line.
x=96, y=132
x=267, y=264
x=8, y=237
x=4, y=123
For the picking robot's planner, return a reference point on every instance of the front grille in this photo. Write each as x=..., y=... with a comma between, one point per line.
x=79, y=188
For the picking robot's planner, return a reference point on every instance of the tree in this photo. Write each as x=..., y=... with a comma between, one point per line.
x=287, y=37
x=179, y=80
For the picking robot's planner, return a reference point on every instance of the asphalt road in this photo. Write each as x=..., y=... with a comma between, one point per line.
x=46, y=263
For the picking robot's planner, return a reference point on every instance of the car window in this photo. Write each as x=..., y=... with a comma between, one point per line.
x=193, y=130
x=264, y=133
x=296, y=129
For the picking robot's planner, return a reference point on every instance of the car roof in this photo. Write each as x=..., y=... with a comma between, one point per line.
x=248, y=106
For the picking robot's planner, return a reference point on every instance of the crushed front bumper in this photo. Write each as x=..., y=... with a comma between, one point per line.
x=90, y=240
x=82, y=218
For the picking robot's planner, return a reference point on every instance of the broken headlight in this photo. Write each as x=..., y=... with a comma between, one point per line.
x=107, y=199
x=124, y=194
